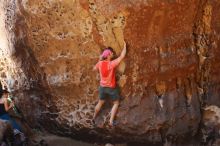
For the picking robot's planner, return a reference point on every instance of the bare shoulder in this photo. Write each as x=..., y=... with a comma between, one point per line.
x=2, y=100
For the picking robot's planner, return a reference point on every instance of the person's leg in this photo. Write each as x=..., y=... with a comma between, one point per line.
x=11, y=121
x=114, y=111
x=98, y=108
x=15, y=124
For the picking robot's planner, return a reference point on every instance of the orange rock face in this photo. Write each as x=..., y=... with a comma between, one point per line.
x=170, y=71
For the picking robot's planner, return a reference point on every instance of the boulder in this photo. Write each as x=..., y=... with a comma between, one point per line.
x=171, y=70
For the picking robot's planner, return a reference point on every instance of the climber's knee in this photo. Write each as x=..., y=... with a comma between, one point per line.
x=116, y=102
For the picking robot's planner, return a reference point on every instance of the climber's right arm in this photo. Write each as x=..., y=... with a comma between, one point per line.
x=123, y=53
x=121, y=57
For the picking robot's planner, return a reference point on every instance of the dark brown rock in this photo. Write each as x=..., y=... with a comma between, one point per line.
x=6, y=132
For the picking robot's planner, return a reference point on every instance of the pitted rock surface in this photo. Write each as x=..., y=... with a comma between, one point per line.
x=173, y=55
x=6, y=132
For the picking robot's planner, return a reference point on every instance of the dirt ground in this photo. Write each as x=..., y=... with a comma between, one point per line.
x=45, y=139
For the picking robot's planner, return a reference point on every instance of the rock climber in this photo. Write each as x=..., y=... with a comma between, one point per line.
x=106, y=67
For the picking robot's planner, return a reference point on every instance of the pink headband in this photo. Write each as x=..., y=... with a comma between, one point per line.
x=106, y=53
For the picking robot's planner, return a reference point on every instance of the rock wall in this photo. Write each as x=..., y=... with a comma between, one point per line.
x=6, y=132
x=170, y=71
x=19, y=70
x=211, y=127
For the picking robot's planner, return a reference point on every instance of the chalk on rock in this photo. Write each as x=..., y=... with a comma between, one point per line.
x=161, y=102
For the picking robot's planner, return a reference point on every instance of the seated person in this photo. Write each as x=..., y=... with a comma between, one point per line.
x=4, y=107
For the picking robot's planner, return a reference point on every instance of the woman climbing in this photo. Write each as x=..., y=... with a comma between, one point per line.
x=106, y=67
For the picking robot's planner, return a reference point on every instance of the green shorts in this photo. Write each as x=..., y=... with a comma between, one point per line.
x=104, y=92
